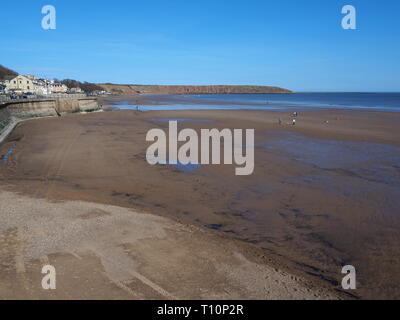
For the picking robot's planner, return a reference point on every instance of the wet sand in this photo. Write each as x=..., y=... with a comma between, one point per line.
x=320, y=197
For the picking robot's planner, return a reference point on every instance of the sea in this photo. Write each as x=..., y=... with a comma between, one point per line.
x=353, y=101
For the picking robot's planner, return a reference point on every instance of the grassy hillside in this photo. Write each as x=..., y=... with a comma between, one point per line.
x=126, y=89
x=85, y=86
x=221, y=89
x=6, y=72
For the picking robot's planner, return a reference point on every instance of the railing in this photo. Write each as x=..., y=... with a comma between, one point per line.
x=63, y=95
x=4, y=98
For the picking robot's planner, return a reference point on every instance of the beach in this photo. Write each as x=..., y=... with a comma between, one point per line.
x=108, y=252
x=324, y=194
x=200, y=159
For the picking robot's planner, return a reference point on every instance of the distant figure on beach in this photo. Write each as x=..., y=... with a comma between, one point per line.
x=295, y=114
x=279, y=121
x=137, y=108
x=294, y=122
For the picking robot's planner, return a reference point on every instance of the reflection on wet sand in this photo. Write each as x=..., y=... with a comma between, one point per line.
x=6, y=156
x=371, y=161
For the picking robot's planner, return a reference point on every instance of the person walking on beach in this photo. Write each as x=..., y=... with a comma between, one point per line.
x=294, y=122
x=279, y=121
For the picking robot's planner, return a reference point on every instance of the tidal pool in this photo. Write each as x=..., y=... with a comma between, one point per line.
x=372, y=161
x=7, y=155
x=179, y=120
x=186, y=168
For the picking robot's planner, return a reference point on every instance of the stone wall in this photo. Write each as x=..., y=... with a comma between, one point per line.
x=67, y=106
x=5, y=118
x=11, y=112
x=32, y=109
x=88, y=105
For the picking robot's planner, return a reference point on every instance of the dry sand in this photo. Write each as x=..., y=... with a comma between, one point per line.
x=306, y=231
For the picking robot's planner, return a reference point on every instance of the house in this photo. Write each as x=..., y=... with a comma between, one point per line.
x=31, y=77
x=41, y=86
x=58, y=88
x=75, y=90
x=19, y=84
x=46, y=86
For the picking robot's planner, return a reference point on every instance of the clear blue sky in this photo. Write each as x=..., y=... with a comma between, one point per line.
x=295, y=44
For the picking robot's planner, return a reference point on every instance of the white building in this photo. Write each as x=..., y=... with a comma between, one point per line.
x=19, y=84
x=76, y=90
x=56, y=87
x=31, y=77
x=30, y=84
x=41, y=87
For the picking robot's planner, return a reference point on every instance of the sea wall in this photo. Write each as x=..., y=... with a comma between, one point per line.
x=32, y=109
x=14, y=111
x=88, y=105
x=5, y=118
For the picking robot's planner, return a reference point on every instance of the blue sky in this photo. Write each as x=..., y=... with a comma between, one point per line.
x=294, y=44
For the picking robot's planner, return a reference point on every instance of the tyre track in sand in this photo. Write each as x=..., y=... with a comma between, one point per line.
x=127, y=270
x=56, y=161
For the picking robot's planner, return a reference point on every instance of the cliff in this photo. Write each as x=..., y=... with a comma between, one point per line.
x=126, y=89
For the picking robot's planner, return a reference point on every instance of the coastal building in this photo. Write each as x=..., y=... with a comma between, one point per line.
x=75, y=90
x=31, y=77
x=56, y=87
x=46, y=86
x=31, y=84
x=41, y=86
x=19, y=84
x=42, y=89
